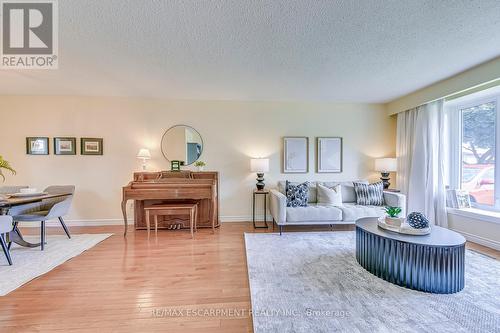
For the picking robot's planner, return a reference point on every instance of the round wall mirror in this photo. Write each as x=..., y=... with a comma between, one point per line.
x=182, y=143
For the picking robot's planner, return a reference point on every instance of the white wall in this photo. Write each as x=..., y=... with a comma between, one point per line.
x=233, y=132
x=470, y=78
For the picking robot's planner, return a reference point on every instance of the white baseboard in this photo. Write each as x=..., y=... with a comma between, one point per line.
x=243, y=218
x=78, y=223
x=480, y=240
x=105, y=222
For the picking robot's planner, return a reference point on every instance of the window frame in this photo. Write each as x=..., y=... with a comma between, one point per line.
x=455, y=117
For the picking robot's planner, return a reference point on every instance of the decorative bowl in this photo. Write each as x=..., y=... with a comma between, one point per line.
x=395, y=221
x=403, y=229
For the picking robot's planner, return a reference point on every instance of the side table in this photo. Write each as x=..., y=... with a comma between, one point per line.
x=255, y=193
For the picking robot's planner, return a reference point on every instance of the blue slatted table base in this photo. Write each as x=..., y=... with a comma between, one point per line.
x=434, y=269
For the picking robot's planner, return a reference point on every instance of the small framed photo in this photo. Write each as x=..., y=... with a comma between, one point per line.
x=451, y=198
x=91, y=146
x=65, y=146
x=329, y=155
x=295, y=154
x=457, y=198
x=37, y=146
x=175, y=165
x=463, y=199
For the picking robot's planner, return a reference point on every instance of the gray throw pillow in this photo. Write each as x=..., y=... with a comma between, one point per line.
x=296, y=195
x=369, y=194
x=330, y=195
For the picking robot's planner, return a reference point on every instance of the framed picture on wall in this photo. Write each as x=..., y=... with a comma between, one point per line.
x=91, y=146
x=295, y=154
x=65, y=146
x=37, y=146
x=329, y=154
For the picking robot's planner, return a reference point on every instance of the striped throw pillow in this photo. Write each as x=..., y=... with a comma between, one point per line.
x=369, y=194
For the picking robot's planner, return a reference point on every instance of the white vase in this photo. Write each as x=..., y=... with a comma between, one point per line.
x=394, y=221
x=201, y=168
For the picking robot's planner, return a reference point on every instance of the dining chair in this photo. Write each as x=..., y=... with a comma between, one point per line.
x=5, y=227
x=56, y=189
x=49, y=209
x=10, y=190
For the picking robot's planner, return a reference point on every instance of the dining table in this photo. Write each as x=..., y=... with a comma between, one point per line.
x=12, y=200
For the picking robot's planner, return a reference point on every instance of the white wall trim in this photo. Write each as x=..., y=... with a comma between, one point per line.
x=480, y=240
x=78, y=223
x=105, y=222
x=244, y=218
x=478, y=214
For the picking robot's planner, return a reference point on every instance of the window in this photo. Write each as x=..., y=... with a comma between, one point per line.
x=478, y=153
x=474, y=144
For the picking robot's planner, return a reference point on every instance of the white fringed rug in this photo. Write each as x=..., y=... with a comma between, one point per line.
x=29, y=263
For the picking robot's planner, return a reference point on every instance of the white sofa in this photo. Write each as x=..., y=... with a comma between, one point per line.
x=316, y=213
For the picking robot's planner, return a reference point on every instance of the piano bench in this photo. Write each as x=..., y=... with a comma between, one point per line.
x=171, y=209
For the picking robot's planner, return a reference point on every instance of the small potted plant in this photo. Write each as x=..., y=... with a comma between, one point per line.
x=5, y=165
x=392, y=216
x=200, y=165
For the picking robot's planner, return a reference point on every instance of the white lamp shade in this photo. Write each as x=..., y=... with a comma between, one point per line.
x=386, y=164
x=144, y=154
x=259, y=165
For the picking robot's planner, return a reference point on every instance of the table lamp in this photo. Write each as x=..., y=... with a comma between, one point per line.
x=385, y=166
x=145, y=155
x=259, y=165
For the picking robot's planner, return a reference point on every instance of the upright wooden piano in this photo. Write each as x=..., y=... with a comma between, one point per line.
x=149, y=188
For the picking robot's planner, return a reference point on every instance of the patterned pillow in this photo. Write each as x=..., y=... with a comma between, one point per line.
x=296, y=195
x=369, y=194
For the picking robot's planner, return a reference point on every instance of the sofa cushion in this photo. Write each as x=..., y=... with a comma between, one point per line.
x=330, y=196
x=369, y=194
x=313, y=212
x=348, y=193
x=312, y=190
x=352, y=212
x=296, y=195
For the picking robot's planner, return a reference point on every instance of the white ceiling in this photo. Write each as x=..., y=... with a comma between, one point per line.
x=358, y=51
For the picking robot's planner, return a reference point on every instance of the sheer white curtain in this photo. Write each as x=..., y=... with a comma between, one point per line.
x=420, y=149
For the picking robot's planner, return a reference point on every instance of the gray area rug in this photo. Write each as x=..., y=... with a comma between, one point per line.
x=29, y=263
x=311, y=282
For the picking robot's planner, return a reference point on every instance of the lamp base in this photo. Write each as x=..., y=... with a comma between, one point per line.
x=385, y=179
x=260, y=181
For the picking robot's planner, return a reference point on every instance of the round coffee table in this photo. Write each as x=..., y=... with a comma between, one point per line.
x=432, y=263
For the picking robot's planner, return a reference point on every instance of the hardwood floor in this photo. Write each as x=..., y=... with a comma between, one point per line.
x=167, y=284
x=484, y=250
